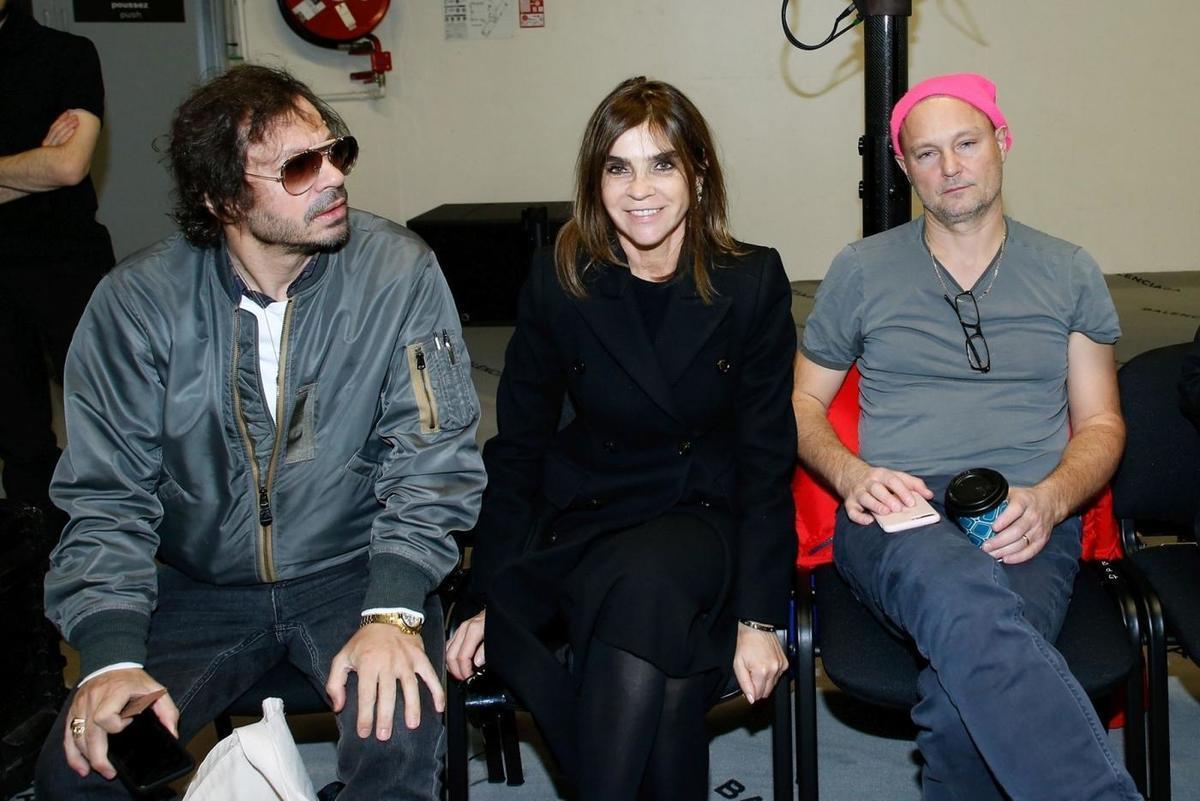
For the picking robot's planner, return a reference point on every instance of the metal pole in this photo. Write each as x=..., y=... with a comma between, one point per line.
x=884, y=190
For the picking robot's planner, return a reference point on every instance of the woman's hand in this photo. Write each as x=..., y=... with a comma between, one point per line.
x=464, y=651
x=758, y=662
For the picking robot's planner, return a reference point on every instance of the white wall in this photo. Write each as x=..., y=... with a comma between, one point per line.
x=1098, y=94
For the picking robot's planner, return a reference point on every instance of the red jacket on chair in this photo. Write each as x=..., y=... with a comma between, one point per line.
x=816, y=503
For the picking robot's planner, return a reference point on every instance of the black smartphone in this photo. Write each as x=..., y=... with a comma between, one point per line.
x=146, y=755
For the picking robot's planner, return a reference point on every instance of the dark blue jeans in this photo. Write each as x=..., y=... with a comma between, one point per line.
x=209, y=644
x=998, y=707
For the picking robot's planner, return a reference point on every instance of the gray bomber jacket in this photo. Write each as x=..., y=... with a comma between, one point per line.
x=172, y=454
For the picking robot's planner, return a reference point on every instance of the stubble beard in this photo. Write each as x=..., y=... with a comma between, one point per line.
x=286, y=234
x=951, y=217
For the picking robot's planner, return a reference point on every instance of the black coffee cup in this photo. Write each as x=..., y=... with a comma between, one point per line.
x=974, y=499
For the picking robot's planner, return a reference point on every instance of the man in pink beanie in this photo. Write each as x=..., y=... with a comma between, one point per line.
x=981, y=342
x=968, y=87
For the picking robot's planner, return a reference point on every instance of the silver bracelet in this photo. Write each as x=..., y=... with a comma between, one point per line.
x=754, y=624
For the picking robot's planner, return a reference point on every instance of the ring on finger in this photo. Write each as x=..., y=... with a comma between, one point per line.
x=1027, y=541
x=78, y=727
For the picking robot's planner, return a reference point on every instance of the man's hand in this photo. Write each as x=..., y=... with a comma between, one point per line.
x=1023, y=529
x=758, y=662
x=877, y=490
x=381, y=655
x=62, y=129
x=1087, y=463
x=864, y=489
x=99, y=703
x=464, y=652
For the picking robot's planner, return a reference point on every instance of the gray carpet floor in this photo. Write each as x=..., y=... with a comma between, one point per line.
x=864, y=753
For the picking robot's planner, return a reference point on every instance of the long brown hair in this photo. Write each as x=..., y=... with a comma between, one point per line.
x=589, y=237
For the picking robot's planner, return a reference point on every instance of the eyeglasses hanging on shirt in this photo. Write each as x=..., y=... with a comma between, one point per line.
x=966, y=309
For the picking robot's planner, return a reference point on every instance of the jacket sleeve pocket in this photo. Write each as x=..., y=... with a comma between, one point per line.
x=441, y=383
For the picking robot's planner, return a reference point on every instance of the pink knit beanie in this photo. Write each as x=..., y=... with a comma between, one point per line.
x=968, y=87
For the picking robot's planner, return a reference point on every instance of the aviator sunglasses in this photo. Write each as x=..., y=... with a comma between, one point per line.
x=299, y=172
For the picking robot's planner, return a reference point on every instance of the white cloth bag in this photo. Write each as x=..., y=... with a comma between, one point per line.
x=257, y=762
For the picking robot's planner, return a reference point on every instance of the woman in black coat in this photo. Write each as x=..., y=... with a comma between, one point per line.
x=653, y=530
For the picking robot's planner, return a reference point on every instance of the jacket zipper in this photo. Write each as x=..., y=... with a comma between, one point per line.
x=426, y=408
x=266, y=562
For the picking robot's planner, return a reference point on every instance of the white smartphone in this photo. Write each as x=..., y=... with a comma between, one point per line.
x=915, y=516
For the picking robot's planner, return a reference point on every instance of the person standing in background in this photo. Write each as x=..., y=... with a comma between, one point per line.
x=53, y=250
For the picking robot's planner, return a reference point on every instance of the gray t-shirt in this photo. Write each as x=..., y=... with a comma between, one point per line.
x=924, y=410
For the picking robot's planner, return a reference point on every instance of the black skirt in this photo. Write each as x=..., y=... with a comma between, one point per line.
x=658, y=589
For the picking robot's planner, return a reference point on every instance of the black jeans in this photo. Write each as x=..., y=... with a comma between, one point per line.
x=45, y=283
x=209, y=644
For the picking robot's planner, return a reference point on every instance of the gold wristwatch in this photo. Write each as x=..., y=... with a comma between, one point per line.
x=407, y=623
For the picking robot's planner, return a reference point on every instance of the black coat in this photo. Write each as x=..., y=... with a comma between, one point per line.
x=700, y=418
x=698, y=422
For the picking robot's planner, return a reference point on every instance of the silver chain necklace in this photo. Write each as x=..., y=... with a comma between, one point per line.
x=266, y=322
x=994, y=267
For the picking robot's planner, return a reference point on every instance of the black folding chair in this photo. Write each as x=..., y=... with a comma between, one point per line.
x=1157, y=491
x=1100, y=639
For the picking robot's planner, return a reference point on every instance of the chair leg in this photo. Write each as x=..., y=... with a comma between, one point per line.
x=510, y=747
x=1117, y=582
x=1135, y=726
x=781, y=741
x=1135, y=723
x=456, y=743
x=489, y=727
x=1160, y=735
x=1159, y=745
x=806, y=691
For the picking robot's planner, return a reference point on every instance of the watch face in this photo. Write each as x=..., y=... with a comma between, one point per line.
x=411, y=620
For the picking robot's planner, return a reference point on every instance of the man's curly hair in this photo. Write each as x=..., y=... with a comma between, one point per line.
x=210, y=134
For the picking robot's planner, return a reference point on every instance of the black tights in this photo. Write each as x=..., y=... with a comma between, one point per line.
x=639, y=727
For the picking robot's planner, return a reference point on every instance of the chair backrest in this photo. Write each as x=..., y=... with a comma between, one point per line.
x=1159, y=475
x=816, y=503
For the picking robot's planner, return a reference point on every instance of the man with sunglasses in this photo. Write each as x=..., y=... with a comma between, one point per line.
x=271, y=438
x=980, y=342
